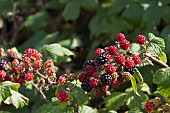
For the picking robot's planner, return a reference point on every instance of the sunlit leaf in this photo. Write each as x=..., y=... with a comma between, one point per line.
x=115, y=100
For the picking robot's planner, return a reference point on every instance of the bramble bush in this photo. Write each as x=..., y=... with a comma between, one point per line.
x=84, y=56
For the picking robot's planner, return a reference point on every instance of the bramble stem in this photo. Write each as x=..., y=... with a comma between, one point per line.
x=157, y=61
x=40, y=91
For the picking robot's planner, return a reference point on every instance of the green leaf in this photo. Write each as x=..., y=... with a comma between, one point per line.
x=161, y=76
x=86, y=109
x=56, y=52
x=115, y=100
x=5, y=7
x=90, y=5
x=62, y=105
x=14, y=86
x=135, y=47
x=162, y=57
x=133, y=14
x=164, y=88
x=17, y=99
x=156, y=40
x=4, y=93
x=4, y=112
x=133, y=82
x=49, y=108
x=33, y=40
x=80, y=96
x=135, y=111
x=144, y=88
x=71, y=10
x=133, y=101
x=49, y=38
x=37, y=21
x=165, y=1
x=118, y=6
x=138, y=76
x=63, y=1
x=67, y=51
x=54, y=99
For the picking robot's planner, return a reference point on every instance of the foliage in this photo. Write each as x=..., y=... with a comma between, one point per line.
x=68, y=32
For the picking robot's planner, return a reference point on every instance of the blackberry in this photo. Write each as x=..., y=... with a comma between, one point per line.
x=2, y=63
x=88, y=62
x=101, y=59
x=130, y=70
x=10, y=58
x=106, y=79
x=86, y=86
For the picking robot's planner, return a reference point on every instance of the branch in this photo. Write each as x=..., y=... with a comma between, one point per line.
x=40, y=91
x=157, y=61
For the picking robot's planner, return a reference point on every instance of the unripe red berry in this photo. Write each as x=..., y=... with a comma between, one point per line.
x=1, y=50
x=99, y=51
x=121, y=80
x=62, y=80
x=119, y=59
x=37, y=64
x=120, y=37
x=2, y=74
x=62, y=96
x=90, y=70
x=112, y=50
x=82, y=77
x=94, y=82
x=149, y=106
x=115, y=84
x=29, y=76
x=50, y=72
x=15, y=62
x=141, y=39
x=136, y=59
x=98, y=92
x=109, y=57
x=110, y=69
x=129, y=63
x=49, y=63
x=26, y=60
x=124, y=44
x=21, y=81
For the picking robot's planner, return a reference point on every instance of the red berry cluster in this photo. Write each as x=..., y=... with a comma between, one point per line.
x=62, y=96
x=156, y=105
x=23, y=68
x=110, y=67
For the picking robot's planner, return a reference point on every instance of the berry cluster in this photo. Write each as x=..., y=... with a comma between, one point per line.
x=110, y=66
x=24, y=68
x=158, y=106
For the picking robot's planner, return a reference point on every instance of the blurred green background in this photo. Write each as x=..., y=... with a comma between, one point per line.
x=81, y=26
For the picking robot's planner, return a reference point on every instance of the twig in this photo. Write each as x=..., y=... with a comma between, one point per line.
x=40, y=91
x=76, y=110
x=157, y=61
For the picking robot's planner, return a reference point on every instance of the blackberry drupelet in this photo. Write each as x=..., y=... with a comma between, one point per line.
x=2, y=63
x=101, y=59
x=10, y=58
x=88, y=62
x=86, y=86
x=130, y=70
x=106, y=79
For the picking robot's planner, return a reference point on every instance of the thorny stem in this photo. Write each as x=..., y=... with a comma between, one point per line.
x=157, y=61
x=40, y=91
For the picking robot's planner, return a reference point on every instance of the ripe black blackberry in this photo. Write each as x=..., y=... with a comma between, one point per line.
x=106, y=79
x=2, y=63
x=130, y=70
x=101, y=59
x=86, y=86
x=88, y=62
x=10, y=58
